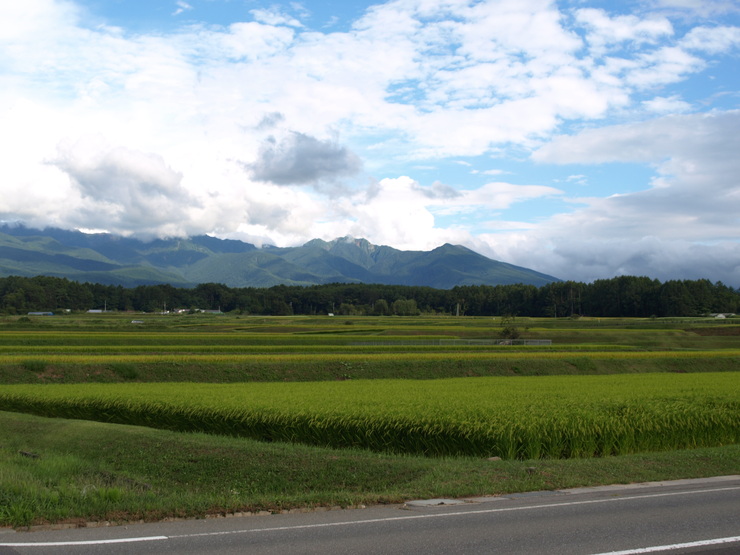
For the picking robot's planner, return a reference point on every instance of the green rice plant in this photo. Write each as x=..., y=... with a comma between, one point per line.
x=534, y=417
x=350, y=357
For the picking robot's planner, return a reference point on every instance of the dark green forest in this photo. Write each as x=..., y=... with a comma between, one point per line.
x=623, y=296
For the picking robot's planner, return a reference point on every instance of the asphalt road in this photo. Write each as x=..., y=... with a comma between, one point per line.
x=685, y=516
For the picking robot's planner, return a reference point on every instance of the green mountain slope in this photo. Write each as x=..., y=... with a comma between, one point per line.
x=110, y=259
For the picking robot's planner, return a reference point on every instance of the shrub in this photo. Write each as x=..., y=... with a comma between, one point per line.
x=125, y=370
x=34, y=365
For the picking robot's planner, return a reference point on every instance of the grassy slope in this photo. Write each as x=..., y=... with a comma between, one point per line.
x=115, y=368
x=55, y=470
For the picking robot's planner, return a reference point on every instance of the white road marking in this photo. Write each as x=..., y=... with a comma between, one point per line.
x=674, y=546
x=374, y=520
x=88, y=542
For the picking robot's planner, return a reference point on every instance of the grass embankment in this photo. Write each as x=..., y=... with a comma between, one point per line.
x=324, y=367
x=55, y=470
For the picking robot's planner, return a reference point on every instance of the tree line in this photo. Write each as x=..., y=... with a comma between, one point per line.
x=624, y=296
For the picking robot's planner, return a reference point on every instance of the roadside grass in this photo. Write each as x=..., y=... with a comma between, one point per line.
x=66, y=471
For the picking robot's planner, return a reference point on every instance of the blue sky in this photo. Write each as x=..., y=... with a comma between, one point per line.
x=581, y=138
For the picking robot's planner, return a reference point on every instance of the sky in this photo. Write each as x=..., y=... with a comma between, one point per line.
x=584, y=139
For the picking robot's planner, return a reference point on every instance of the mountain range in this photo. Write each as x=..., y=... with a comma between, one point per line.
x=115, y=260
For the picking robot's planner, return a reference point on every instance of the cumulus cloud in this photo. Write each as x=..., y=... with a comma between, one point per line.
x=299, y=159
x=401, y=211
x=124, y=190
x=393, y=211
x=604, y=30
x=712, y=39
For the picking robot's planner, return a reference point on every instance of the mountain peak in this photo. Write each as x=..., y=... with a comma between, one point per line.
x=355, y=241
x=345, y=243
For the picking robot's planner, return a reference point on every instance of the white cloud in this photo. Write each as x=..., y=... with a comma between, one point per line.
x=175, y=116
x=46, y=19
x=395, y=212
x=248, y=41
x=710, y=136
x=688, y=218
x=580, y=179
x=489, y=172
x=696, y=8
x=502, y=195
x=274, y=16
x=669, y=105
x=712, y=39
x=585, y=259
x=298, y=159
x=123, y=190
x=605, y=31
x=667, y=65
x=476, y=75
x=401, y=212
x=182, y=7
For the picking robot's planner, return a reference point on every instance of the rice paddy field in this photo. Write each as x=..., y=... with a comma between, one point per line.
x=226, y=348
x=429, y=387
x=524, y=418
